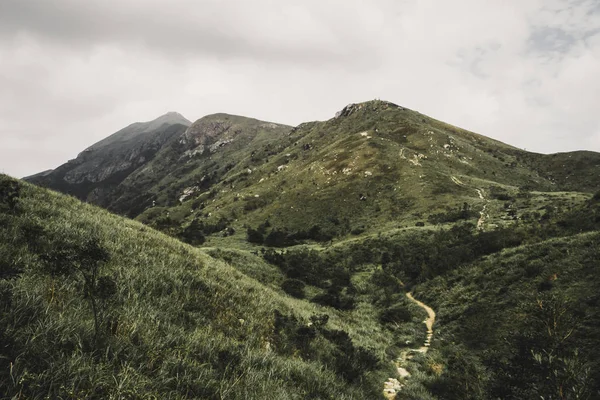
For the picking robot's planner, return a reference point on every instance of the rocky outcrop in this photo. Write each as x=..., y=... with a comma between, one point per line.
x=373, y=105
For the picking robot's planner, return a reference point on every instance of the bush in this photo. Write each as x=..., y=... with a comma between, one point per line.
x=336, y=299
x=9, y=194
x=292, y=335
x=461, y=213
x=254, y=236
x=294, y=287
x=395, y=314
x=254, y=203
x=193, y=234
x=279, y=238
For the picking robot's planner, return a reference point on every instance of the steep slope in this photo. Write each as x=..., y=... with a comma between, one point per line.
x=135, y=131
x=96, y=306
x=99, y=169
x=499, y=295
x=574, y=171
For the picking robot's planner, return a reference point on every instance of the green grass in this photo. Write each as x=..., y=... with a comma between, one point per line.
x=181, y=324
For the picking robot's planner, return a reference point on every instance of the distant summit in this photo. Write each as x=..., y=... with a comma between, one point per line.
x=172, y=118
x=98, y=170
x=139, y=128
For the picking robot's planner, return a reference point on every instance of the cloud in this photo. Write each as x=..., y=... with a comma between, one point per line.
x=268, y=30
x=72, y=72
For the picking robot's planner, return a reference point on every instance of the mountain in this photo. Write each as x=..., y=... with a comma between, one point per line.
x=97, y=170
x=375, y=165
x=319, y=233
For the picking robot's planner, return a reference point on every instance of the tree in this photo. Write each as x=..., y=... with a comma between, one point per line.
x=83, y=260
x=254, y=236
x=562, y=373
x=294, y=287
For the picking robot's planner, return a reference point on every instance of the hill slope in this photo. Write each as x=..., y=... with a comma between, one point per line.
x=523, y=323
x=97, y=306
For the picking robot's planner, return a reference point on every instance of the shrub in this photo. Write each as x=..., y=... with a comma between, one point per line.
x=254, y=236
x=395, y=314
x=279, y=238
x=461, y=213
x=254, y=203
x=9, y=194
x=193, y=234
x=334, y=297
x=294, y=287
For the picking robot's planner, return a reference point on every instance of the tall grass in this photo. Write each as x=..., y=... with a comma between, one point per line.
x=180, y=325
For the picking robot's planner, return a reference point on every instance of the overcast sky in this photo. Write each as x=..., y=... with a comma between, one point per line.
x=72, y=72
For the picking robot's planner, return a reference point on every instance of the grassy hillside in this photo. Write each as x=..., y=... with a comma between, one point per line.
x=307, y=240
x=375, y=167
x=516, y=305
x=97, y=306
x=521, y=324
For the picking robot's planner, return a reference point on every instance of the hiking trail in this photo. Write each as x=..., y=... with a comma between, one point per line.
x=392, y=386
x=483, y=215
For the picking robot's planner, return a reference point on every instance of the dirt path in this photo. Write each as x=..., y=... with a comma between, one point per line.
x=457, y=181
x=428, y=322
x=483, y=213
x=480, y=193
x=392, y=386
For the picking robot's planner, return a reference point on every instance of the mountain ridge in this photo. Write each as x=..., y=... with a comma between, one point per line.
x=373, y=161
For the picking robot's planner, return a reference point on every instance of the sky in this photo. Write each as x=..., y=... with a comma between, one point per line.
x=72, y=72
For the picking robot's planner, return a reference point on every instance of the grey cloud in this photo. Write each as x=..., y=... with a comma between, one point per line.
x=548, y=39
x=226, y=29
x=74, y=71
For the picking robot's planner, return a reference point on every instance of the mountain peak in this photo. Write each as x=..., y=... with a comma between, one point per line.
x=371, y=104
x=171, y=118
x=140, y=129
